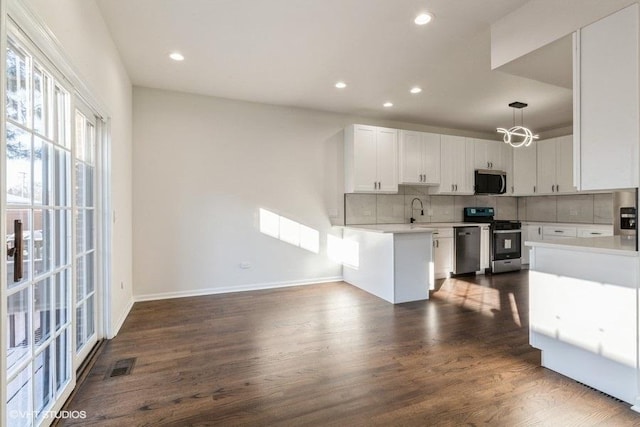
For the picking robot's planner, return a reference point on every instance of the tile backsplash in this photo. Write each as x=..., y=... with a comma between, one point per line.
x=398, y=208
x=575, y=208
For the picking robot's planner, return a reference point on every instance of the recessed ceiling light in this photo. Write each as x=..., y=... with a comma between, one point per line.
x=176, y=56
x=341, y=85
x=387, y=104
x=423, y=18
x=415, y=90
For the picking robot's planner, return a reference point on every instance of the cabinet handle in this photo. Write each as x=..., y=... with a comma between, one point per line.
x=539, y=231
x=451, y=187
x=534, y=188
x=512, y=188
x=379, y=185
x=437, y=243
x=456, y=187
x=557, y=188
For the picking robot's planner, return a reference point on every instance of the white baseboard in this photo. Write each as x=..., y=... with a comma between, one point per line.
x=230, y=289
x=115, y=329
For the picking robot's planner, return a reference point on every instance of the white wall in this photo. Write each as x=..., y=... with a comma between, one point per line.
x=80, y=29
x=204, y=166
x=540, y=22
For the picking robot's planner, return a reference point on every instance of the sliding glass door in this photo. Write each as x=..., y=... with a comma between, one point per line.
x=51, y=292
x=38, y=223
x=85, y=254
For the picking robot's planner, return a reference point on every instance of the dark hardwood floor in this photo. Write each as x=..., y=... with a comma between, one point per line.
x=332, y=354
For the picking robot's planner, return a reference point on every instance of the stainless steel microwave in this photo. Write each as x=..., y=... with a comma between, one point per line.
x=489, y=181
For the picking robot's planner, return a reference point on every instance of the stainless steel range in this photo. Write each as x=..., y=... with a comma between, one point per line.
x=505, y=238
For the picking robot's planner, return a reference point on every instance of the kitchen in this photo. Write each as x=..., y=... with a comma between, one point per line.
x=264, y=157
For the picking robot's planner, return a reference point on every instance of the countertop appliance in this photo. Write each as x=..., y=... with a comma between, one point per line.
x=505, y=238
x=489, y=181
x=625, y=205
x=466, y=246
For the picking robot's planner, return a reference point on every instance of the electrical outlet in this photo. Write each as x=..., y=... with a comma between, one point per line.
x=245, y=265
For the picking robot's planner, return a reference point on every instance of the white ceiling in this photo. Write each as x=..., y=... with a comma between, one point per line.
x=292, y=52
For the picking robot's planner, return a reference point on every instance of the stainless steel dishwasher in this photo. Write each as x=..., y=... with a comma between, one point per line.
x=466, y=245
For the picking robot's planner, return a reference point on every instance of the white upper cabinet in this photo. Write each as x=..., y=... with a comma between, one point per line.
x=606, y=104
x=564, y=165
x=524, y=170
x=419, y=158
x=489, y=154
x=555, y=166
x=456, y=165
x=507, y=166
x=371, y=159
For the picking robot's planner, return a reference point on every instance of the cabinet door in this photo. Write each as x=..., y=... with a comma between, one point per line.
x=564, y=165
x=431, y=157
x=607, y=73
x=364, y=159
x=481, y=153
x=494, y=155
x=411, y=157
x=506, y=160
x=443, y=257
x=464, y=168
x=531, y=233
x=546, y=169
x=387, y=159
x=524, y=170
x=449, y=148
x=485, y=248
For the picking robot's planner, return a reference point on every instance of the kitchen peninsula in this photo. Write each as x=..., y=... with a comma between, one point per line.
x=584, y=311
x=392, y=262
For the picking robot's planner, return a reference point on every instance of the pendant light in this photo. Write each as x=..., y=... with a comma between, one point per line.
x=518, y=136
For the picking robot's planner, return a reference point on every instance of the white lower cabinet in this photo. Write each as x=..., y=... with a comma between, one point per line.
x=485, y=248
x=443, y=252
x=540, y=232
x=595, y=232
x=530, y=233
x=550, y=232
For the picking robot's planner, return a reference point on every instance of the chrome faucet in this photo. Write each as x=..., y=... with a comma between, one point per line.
x=412, y=219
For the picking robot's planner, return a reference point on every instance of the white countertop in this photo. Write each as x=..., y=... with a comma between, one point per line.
x=417, y=227
x=616, y=245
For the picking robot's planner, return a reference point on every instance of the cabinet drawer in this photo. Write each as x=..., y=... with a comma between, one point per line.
x=559, y=231
x=594, y=232
x=442, y=233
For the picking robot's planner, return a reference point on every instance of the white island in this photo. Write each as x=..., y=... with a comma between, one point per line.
x=394, y=261
x=583, y=296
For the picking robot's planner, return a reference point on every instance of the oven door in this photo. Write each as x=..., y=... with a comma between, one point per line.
x=506, y=244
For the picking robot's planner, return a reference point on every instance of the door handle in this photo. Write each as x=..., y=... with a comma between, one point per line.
x=17, y=250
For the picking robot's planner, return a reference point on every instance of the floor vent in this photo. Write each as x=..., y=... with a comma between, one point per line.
x=601, y=392
x=121, y=367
